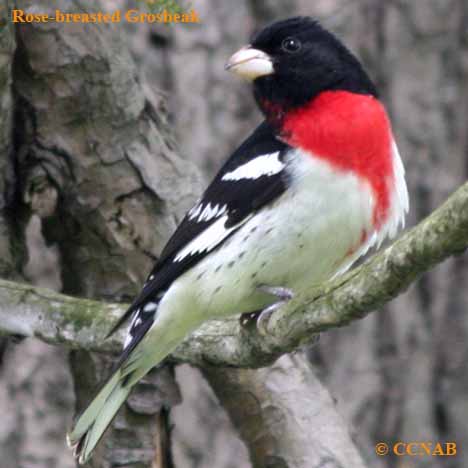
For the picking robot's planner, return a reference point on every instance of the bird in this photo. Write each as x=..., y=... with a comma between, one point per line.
x=317, y=183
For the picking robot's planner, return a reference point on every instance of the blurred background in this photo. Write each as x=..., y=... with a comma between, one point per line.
x=398, y=375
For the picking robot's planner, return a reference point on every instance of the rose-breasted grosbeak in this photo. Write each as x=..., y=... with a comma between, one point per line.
x=314, y=186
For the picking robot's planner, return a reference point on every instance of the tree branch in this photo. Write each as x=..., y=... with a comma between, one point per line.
x=81, y=323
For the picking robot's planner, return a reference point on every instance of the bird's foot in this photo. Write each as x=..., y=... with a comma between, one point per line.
x=284, y=294
x=262, y=317
x=248, y=318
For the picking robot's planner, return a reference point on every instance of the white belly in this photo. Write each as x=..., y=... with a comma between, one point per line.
x=302, y=239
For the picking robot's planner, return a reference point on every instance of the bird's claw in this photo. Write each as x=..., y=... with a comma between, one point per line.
x=262, y=317
x=283, y=294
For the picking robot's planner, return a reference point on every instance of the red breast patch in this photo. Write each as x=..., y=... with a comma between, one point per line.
x=353, y=133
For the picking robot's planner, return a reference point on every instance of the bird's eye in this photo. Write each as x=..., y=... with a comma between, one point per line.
x=291, y=45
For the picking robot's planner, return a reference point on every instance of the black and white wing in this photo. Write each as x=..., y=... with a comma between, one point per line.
x=251, y=178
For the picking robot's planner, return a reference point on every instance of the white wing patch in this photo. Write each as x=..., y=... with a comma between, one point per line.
x=212, y=212
x=206, y=212
x=150, y=307
x=195, y=211
x=135, y=322
x=266, y=165
x=209, y=238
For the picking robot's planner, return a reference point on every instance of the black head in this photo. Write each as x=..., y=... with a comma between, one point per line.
x=292, y=61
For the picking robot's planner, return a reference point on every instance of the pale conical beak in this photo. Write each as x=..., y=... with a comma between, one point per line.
x=250, y=63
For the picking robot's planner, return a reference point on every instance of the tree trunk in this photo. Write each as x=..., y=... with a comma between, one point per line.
x=285, y=415
x=97, y=166
x=8, y=262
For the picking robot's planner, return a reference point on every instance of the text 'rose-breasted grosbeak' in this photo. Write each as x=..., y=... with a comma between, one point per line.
x=314, y=186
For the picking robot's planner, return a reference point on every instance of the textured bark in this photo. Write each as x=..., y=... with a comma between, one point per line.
x=98, y=168
x=285, y=415
x=21, y=418
x=203, y=433
x=35, y=397
x=35, y=386
x=8, y=263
